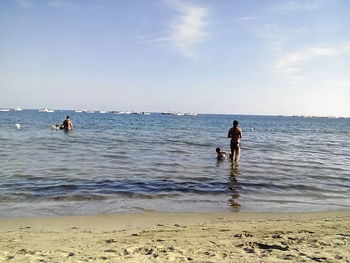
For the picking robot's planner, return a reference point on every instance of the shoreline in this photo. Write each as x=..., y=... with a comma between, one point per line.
x=178, y=237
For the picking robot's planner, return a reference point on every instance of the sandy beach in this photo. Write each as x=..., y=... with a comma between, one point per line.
x=178, y=237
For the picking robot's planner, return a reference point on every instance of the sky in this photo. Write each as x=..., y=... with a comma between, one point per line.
x=267, y=57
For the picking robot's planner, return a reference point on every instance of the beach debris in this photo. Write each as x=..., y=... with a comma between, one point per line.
x=22, y=251
x=148, y=251
x=276, y=236
x=306, y=231
x=242, y=235
x=252, y=245
x=177, y=225
x=25, y=227
x=247, y=234
x=111, y=241
x=249, y=250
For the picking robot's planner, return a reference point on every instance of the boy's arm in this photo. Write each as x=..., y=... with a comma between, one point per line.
x=229, y=134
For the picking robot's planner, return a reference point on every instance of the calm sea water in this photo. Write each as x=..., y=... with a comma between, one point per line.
x=127, y=163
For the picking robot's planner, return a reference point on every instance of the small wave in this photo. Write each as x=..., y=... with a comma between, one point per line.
x=168, y=164
x=78, y=197
x=280, y=187
x=178, y=151
x=188, y=143
x=116, y=156
x=199, y=144
x=95, y=190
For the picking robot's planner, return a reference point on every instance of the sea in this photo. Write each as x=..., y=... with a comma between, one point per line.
x=127, y=163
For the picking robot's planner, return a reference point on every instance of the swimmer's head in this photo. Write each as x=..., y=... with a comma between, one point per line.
x=235, y=123
x=67, y=117
x=218, y=150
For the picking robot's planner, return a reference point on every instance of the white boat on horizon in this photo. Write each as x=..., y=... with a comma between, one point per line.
x=46, y=110
x=4, y=110
x=168, y=113
x=17, y=109
x=179, y=113
x=191, y=114
x=122, y=112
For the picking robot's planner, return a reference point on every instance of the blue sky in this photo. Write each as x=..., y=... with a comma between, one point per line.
x=207, y=56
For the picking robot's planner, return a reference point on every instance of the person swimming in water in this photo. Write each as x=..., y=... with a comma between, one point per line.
x=235, y=133
x=67, y=124
x=220, y=155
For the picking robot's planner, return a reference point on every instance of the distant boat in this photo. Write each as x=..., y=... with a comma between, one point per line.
x=179, y=113
x=103, y=111
x=17, y=109
x=46, y=110
x=4, y=109
x=190, y=114
x=79, y=111
x=168, y=113
x=131, y=112
x=122, y=112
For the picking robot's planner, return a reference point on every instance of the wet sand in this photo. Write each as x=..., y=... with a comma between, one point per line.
x=178, y=237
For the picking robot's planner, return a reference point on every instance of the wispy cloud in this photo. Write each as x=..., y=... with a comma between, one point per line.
x=188, y=30
x=273, y=35
x=291, y=64
x=247, y=18
x=24, y=3
x=294, y=5
x=63, y=4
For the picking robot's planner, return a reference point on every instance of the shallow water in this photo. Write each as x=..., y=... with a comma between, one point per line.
x=127, y=163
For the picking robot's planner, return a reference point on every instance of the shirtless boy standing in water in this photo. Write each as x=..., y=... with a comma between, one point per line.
x=67, y=124
x=235, y=133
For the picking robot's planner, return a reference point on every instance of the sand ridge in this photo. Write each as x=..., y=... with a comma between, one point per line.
x=176, y=237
